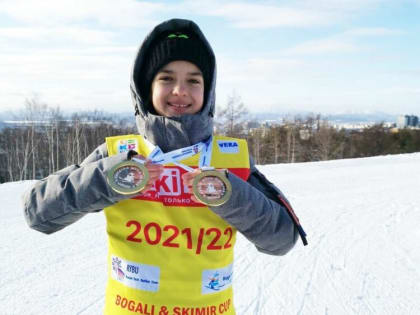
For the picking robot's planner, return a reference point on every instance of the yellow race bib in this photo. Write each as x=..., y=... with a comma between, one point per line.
x=168, y=254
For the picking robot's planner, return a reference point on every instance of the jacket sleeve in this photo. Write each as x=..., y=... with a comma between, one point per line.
x=64, y=197
x=256, y=211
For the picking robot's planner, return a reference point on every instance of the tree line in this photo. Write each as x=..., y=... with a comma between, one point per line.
x=312, y=138
x=47, y=141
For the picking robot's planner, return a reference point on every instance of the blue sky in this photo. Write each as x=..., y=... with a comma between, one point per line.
x=321, y=56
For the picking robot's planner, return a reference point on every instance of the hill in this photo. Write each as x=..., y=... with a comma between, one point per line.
x=362, y=217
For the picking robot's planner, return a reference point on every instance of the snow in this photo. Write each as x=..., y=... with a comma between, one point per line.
x=362, y=217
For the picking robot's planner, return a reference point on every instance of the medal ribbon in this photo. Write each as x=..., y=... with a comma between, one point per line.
x=204, y=148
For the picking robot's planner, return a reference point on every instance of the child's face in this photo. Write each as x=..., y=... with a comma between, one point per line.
x=178, y=89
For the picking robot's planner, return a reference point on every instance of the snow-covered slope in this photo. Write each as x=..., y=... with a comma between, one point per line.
x=362, y=217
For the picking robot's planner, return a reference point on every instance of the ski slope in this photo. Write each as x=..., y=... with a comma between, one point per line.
x=362, y=217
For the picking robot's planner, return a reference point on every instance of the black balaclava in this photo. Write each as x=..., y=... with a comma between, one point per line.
x=172, y=40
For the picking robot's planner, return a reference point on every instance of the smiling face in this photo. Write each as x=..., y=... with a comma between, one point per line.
x=178, y=89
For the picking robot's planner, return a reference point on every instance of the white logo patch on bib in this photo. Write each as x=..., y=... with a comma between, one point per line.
x=126, y=145
x=134, y=275
x=217, y=279
x=228, y=146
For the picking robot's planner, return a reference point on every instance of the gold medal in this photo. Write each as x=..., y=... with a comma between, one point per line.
x=128, y=177
x=212, y=188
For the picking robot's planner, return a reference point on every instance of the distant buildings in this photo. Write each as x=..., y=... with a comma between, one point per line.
x=405, y=121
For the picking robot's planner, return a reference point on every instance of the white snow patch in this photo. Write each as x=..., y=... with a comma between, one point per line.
x=362, y=217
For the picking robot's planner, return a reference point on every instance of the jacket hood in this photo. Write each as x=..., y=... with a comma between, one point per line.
x=171, y=133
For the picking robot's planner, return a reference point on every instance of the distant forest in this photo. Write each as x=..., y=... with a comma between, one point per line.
x=47, y=141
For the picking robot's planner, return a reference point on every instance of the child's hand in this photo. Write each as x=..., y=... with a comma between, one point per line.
x=188, y=179
x=155, y=170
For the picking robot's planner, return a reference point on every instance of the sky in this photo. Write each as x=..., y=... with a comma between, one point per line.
x=363, y=257
x=325, y=56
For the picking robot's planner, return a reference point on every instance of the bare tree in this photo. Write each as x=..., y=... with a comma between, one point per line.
x=52, y=133
x=255, y=144
x=34, y=115
x=232, y=116
x=291, y=143
x=324, y=141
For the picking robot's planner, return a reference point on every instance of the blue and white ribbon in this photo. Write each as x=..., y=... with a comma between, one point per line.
x=204, y=148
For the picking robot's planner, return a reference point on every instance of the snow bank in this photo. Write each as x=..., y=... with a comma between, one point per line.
x=362, y=217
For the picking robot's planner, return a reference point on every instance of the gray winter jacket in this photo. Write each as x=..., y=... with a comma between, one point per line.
x=256, y=208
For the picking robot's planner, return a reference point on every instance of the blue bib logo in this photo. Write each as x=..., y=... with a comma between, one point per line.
x=228, y=146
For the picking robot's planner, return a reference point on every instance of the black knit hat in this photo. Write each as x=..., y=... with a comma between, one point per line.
x=172, y=47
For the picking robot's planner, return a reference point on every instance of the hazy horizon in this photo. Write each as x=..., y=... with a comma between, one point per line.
x=347, y=116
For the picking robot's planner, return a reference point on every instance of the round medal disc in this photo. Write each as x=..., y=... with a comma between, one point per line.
x=128, y=177
x=212, y=188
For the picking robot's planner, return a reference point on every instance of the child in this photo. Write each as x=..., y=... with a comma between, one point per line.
x=168, y=252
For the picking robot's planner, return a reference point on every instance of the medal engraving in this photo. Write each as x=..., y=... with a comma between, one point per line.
x=128, y=177
x=212, y=188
